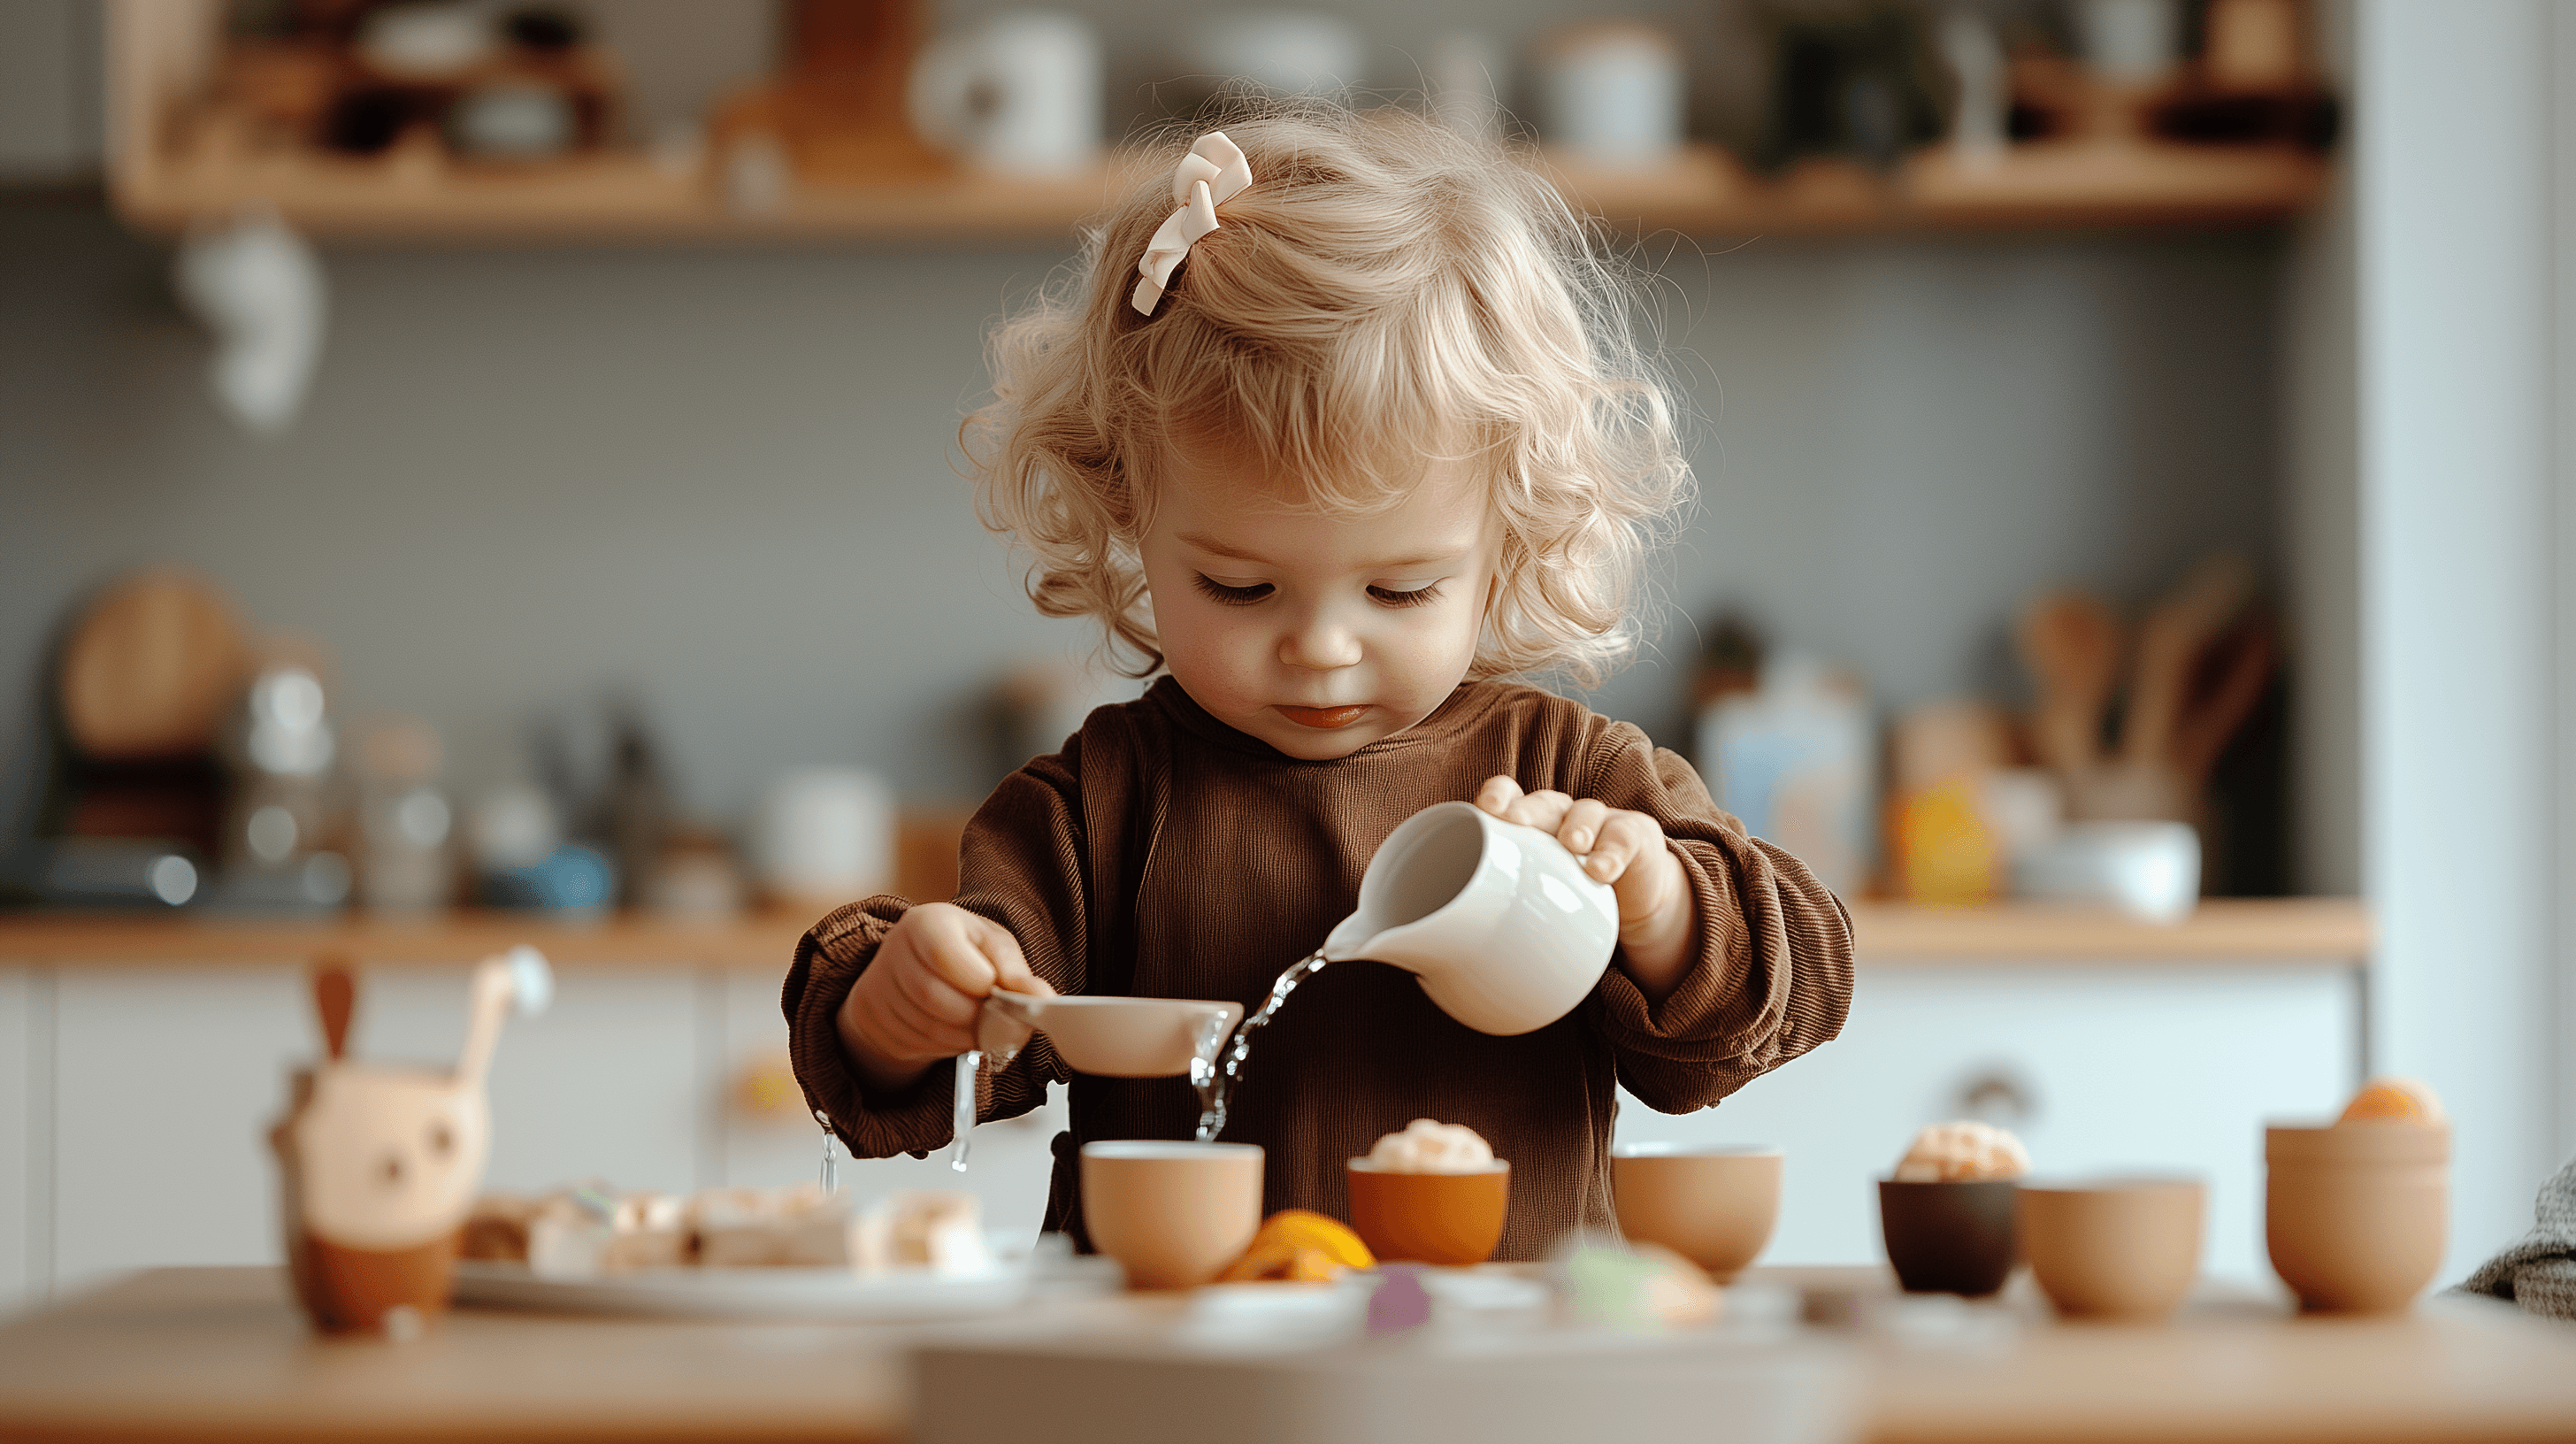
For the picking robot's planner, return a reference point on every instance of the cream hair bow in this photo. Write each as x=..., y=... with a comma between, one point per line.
x=1210, y=175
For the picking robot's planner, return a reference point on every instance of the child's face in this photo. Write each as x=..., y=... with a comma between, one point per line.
x=1318, y=634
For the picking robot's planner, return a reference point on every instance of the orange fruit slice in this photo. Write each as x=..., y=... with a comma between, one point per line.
x=1300, y=1245
x=2406, y=1099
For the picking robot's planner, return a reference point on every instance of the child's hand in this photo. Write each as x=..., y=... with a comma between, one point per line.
x=918, y=1000
x=1626, y=850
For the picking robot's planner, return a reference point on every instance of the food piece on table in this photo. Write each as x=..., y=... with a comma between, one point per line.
x=1962, y=1153
x=497, y=1229
x=569, y=1237
x=2410, y=1099
x=1426, y=1146
x=1679, y=1294
x=943, y=1232
x=770, y=1227
x=646, y=1231
x=1645, y=1289
x=1297, y=1245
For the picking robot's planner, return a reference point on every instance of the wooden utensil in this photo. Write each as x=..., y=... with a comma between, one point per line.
x=2072, y=644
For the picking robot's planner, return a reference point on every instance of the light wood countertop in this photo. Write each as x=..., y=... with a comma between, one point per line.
x=2238, y=932
x=221, y=1354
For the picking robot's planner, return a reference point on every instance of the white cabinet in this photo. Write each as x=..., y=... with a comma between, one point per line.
x=165, y=1083
x=24, y=1064
x=2130, y=1070
x=135, y=1103
x=1009, y=1161
x=603, y=1084
x=167, y=1079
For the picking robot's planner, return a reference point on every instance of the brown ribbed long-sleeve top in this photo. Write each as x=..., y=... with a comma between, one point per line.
x=1164, y=854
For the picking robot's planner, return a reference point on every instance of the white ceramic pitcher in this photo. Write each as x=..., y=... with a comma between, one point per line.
x=1503, y=926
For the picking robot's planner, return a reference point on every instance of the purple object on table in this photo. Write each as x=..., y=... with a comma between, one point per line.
x=1400, y=1302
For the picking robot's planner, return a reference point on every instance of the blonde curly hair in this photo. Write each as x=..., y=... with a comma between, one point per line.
x=1383, y=280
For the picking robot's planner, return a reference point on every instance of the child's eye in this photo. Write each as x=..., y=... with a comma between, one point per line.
x=1417, y=597
x=1222, y=594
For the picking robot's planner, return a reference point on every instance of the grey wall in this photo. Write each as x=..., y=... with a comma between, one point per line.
x=722, y=477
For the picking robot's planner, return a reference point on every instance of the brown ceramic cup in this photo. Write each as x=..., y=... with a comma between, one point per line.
x=1950, y=1238
x=1173, y=1214
x=2357, y=1214
x=1713, y=1206
x=2114, y=1248
x=1434, y=1218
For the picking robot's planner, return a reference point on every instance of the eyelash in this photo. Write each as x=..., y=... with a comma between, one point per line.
x=1224, y=595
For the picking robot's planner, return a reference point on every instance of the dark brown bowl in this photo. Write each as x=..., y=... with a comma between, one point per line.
x=1950, y=1238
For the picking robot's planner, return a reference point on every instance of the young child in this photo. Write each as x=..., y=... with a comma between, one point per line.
x=1367, y=435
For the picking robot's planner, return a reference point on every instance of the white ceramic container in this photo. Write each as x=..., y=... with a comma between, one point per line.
x=1500, y=922
x=1019, y=94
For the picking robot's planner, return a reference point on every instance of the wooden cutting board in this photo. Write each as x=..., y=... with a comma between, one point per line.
x=151, y=667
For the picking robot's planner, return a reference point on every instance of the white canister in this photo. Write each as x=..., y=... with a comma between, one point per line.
x=1285, y=52
x=1019, y=94
x=2149, y=870
x=1610, y=94
x=825, y=835
x=2130, y=42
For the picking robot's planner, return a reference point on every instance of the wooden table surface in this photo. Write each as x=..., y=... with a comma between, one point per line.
x=222, y=1355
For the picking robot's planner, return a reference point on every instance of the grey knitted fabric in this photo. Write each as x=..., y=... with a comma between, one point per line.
x=2539, y=1273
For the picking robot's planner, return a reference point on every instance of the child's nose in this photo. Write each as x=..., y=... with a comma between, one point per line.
x=1320, y=644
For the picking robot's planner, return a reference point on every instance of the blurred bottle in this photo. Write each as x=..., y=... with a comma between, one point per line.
x=281, y=750
x=1794, y=760
x=404, y=821
x=1945, y=846
x=637, y=808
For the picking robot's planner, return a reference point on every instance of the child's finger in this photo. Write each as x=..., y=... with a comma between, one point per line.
x=1582, y=826
x=958, y=949
x=1623, y=837
x=905, y=1032
x=1010, y=967
x=1542, y=810
x=1497, y=795
x=935, y=999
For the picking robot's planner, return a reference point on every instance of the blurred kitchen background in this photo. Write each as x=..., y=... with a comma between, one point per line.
x=506, y=455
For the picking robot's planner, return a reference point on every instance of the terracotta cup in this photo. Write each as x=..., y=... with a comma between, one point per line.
x=1174, y=1214
x=2114, y=1248
x=1950, y=1238
x=1713, y=1206
x=1434, y=1218
x=2357, y=1214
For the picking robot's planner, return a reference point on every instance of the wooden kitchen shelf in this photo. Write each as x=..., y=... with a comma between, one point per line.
x=2262, y=932
x=626, y=197
x=2252, y=932
x=175, y=161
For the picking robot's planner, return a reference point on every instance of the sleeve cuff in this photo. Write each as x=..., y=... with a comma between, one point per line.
x=1707, y=1005
x=829, y=959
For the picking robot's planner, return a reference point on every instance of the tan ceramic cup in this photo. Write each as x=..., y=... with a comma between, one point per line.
x=2357, y=1214
x=1435, y=1218
x=2114, y=1248
x=1174, y=1214
x=1713, y=1206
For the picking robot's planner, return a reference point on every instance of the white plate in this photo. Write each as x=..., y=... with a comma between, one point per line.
x=751, y=1293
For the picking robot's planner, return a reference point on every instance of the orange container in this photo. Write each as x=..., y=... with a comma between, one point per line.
x=1434, y=1218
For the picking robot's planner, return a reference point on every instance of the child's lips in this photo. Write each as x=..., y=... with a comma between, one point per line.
x=1323, y=718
